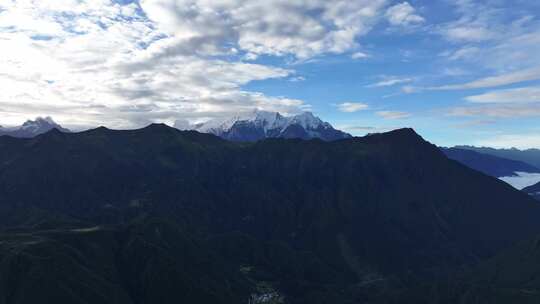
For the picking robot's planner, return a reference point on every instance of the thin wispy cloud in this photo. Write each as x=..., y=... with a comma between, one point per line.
x=390, y=81
x=351, y=107
x=496, y=110
x=360, y=55
x=518, y=95
x=477, y=23
x=393, y=114
x=495, y=81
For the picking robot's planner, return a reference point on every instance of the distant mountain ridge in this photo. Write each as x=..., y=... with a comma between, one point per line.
x=258, y=125
x=489, y=164
x=529, y=156
x=32, y=128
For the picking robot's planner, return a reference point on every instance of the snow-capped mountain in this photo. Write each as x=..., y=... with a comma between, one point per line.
x=259, y=125
x=33, y=128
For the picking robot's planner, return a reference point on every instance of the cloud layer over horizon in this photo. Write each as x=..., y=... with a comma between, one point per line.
x=128, y=63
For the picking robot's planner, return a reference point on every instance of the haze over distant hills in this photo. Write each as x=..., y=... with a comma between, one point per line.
x=489, y=164
x=529, y=156
x=516, y=167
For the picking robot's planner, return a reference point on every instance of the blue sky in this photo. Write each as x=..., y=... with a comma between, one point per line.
x=459, y=72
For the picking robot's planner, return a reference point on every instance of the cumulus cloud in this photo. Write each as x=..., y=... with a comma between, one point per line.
x=351, y=107
x=403, y=14
x=127, y=65
x=277, y=27
x=393, y=114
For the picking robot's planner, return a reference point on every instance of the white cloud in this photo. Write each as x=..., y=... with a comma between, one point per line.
x=360, y=55
x=518, y=49
x=361, y=130
x=490, y=37
x=495, y=81
x=518, y=95
x=390, y=81
x=165, y=60
x=497, y=110
x=454, y=72
x=393, y=114
x=515, y=50
x=478, y=22
x=522, y=180
x=183, y=124
x=510, y=103
x=466, y=52
x=277, y=27
x=410, y=89
x=468, y=33
x=351, y=107
x=297, y=79
x=403, y=14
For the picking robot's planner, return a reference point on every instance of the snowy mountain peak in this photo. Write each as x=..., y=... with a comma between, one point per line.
x=256, y=125
x=33, y=128
x=308, y=121
x=40, y=122
x=41, y=125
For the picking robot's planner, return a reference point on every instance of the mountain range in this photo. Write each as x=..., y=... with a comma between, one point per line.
x=258, y=125
x=489, y=164
x=529, y=156
x=32, y=128
x=516, y=167
x=158, y=215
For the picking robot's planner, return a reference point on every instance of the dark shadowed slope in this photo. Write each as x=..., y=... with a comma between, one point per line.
x=349, y=221
x=533, y=190
x=513, y=276
x=489, y=164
